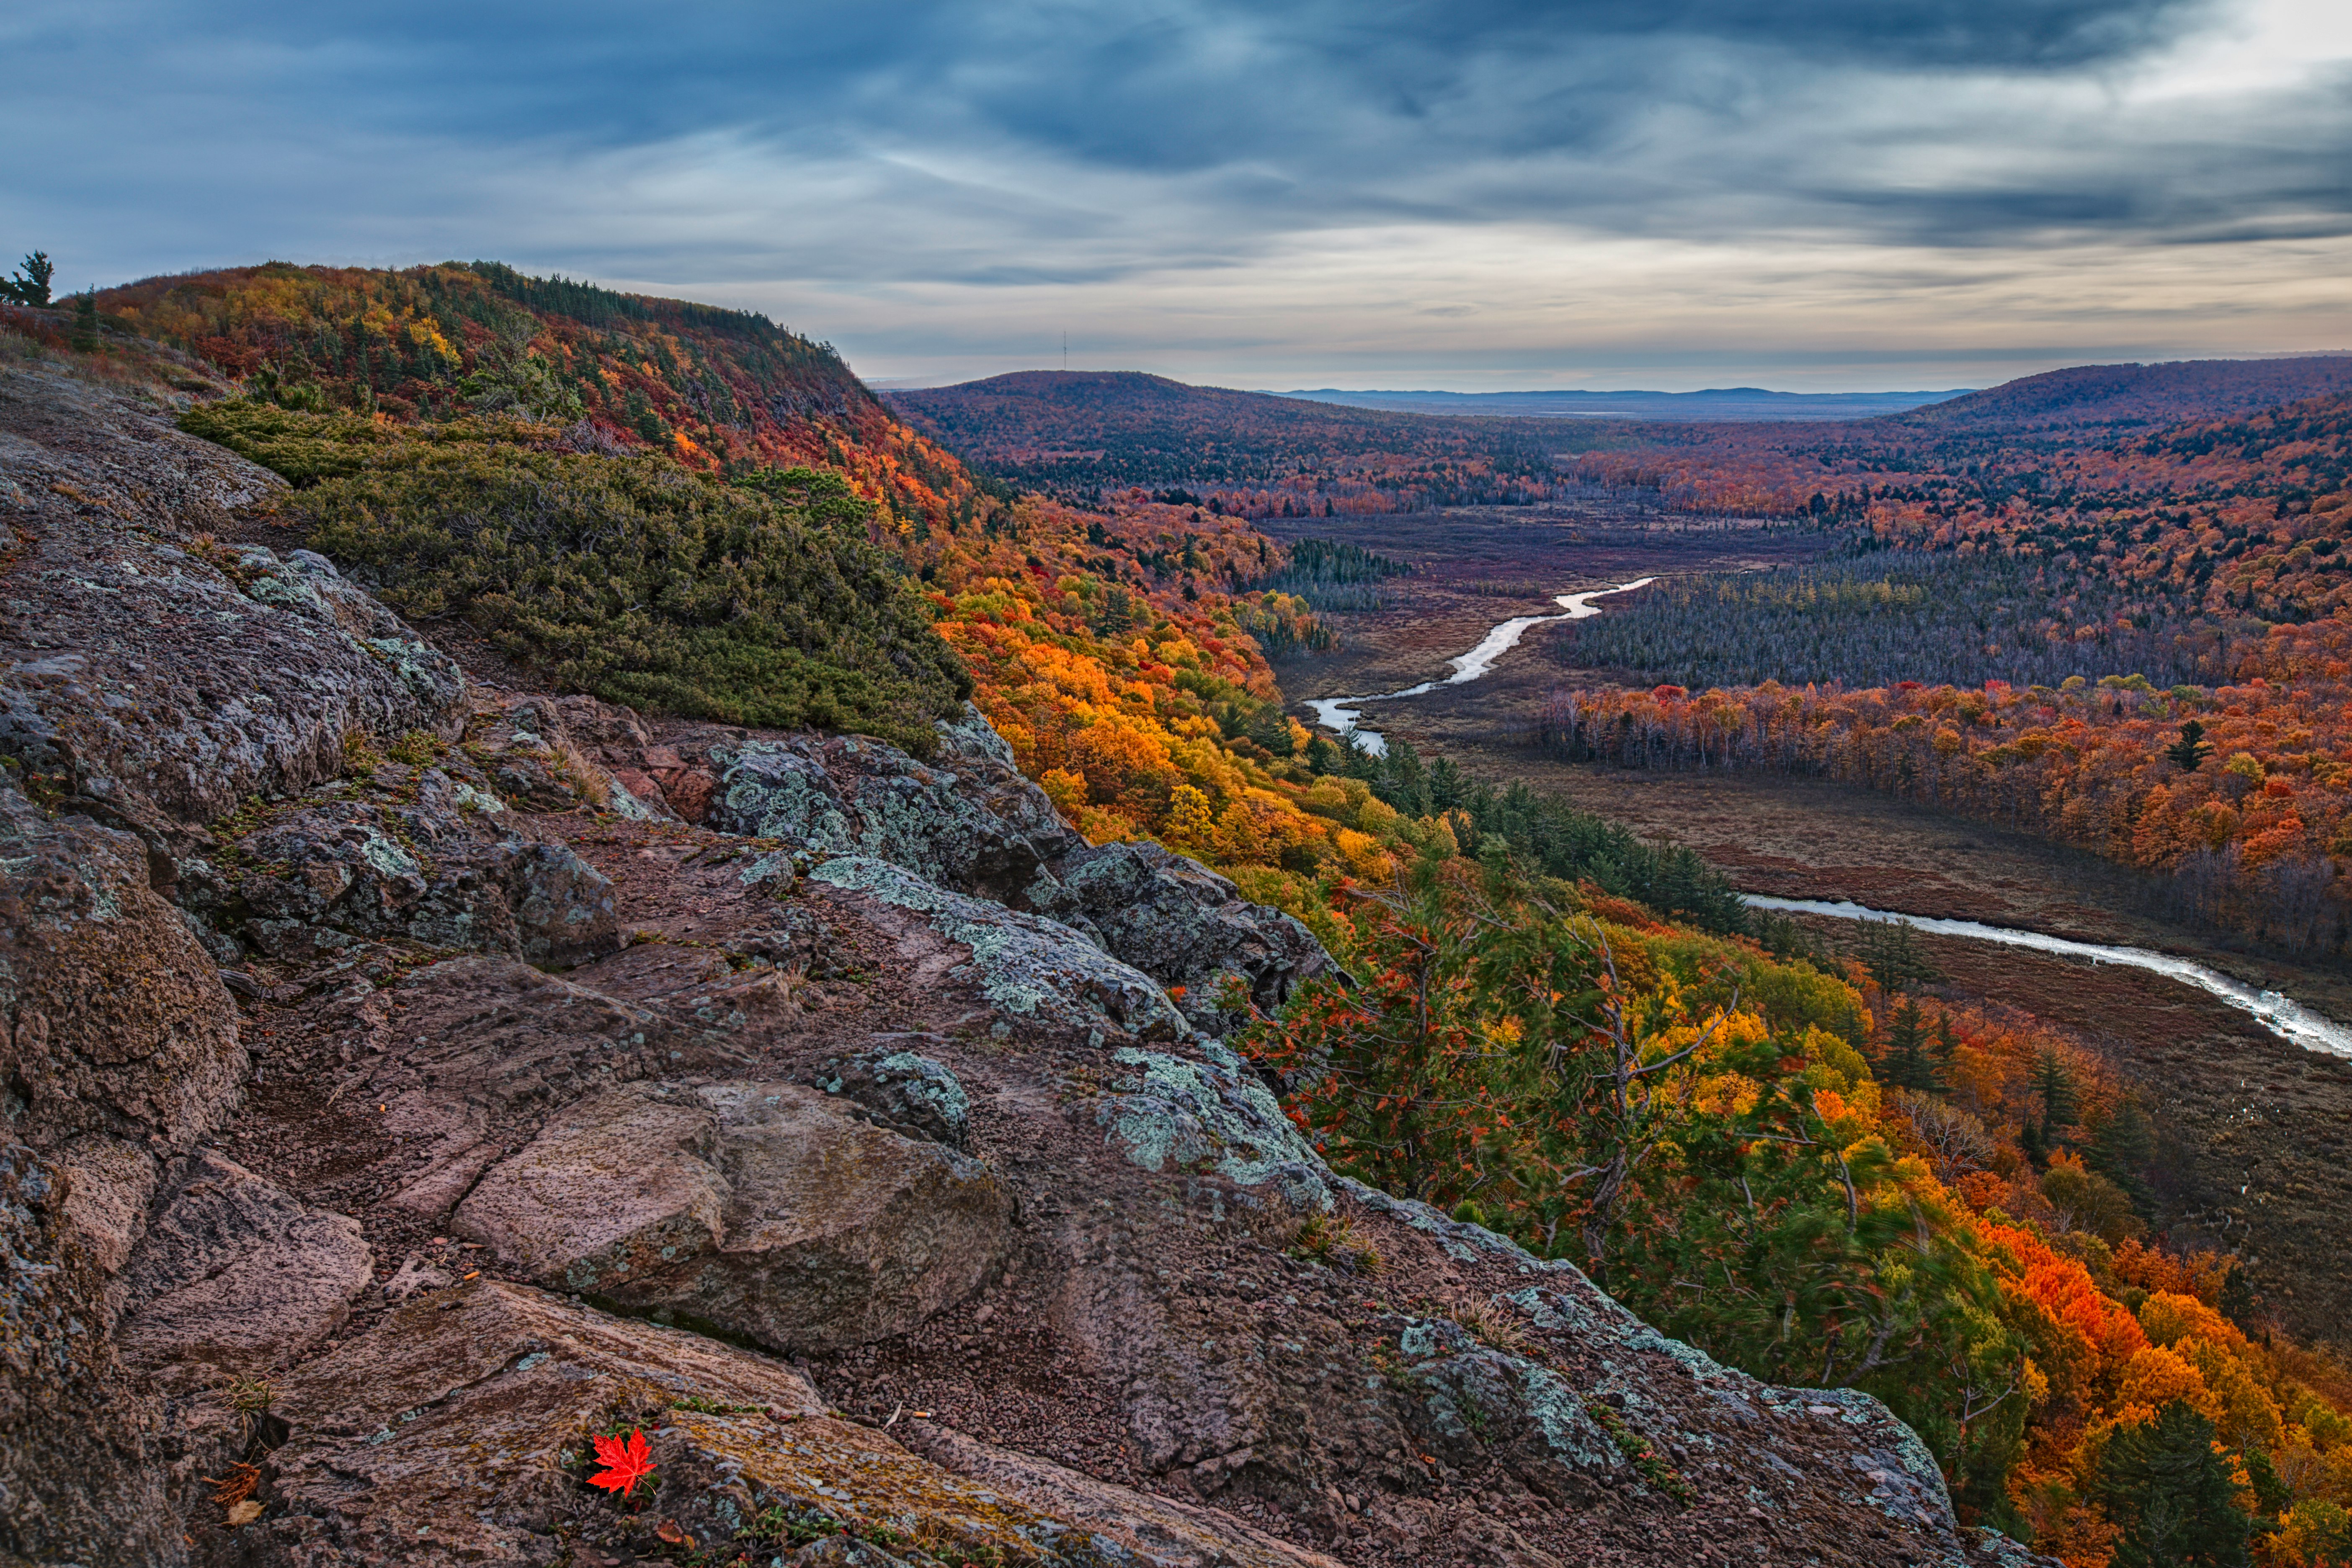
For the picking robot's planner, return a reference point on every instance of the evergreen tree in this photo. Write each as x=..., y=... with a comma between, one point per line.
x=30, y=284
x=2121, y=1147
x=1446, y=788
x=2192, y=749
x=1890, y=949
x=2238, y=1299
x=2053, y=1085
x=1906, y=1063
x=2173, y=1495
x=85, y=326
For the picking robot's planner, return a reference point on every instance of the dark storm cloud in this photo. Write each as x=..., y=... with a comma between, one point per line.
x=1019, y=146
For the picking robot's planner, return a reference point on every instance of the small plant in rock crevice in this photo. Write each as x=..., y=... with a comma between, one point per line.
x=417, y=748
x=1491, y=1326
x=1332, y=1240
x=250, y=1398
x=1645, y=1460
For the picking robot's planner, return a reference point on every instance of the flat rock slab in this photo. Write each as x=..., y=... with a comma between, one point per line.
x=458, y=1431
x=762, y=1209
x=235, y=1273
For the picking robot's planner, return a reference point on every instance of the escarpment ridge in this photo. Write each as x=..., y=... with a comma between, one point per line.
x=410, y=1080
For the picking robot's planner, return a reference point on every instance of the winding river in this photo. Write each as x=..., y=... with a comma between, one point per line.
x=2283, y=1015
x=1339, y=715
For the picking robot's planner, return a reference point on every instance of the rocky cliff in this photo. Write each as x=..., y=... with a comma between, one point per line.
x=410, y=1080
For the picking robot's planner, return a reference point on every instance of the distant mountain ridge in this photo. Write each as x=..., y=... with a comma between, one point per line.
x=2129, y=394
x=1249, y=454
x=1716, y=404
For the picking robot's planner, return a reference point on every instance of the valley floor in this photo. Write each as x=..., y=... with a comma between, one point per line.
x=2258, y=1125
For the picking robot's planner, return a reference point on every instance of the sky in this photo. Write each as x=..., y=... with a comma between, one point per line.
x=1804, y=194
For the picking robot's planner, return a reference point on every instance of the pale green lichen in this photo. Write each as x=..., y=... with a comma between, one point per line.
x=1025, y=964
x=472, y=799
x=928, y=1083
x=1174, y=1114
x=1466, y=1385
x=772, y=791
x=387, y=858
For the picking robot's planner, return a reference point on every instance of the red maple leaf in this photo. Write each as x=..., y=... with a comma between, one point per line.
x=630, y=1463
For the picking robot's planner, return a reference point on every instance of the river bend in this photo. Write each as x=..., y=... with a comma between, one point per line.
x=2282, y=1015
x=1339, y=715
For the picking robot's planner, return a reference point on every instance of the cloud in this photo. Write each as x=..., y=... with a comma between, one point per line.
x=1431, y=181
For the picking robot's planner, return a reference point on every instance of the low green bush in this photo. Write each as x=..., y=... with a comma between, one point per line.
x=630, y=578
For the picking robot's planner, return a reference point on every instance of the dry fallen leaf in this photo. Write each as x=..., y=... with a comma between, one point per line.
x=244, y=1512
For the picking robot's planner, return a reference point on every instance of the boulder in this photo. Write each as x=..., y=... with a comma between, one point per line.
x=80, y=1480
x=112, y=1018
x=1025, y=964
x=968, y=821
x=421, y=852
x=1184, y=925
x=1169, y=1113
x=760, y=1209
x=894, y=1087
x=236, y=1275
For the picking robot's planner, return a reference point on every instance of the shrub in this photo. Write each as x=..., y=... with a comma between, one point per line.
x=644, y=583
x=630, y=578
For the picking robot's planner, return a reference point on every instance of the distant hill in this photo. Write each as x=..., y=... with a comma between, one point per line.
x=1720, y=403
x=1043, y=410
x=2141, y=394
x=1254, y=454
x=1250, y=454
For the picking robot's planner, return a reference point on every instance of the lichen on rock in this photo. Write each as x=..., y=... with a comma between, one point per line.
x=1174, y=1114
x=1025, y=964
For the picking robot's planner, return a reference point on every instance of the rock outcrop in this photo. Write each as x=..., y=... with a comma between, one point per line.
x=413, y=1083
x=237, y=1276
x=160, y=674
x=968, y=823
x=83, y=1477
x=761, y=1210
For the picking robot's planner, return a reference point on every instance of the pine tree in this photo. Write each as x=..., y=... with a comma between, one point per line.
x=1890, y=949
x=2121, y=1147
x=30, y=284
x=2053, y=1085
x=2173, y=1495
x=2192, y=749
x=1906, y=1063
x=84, y=324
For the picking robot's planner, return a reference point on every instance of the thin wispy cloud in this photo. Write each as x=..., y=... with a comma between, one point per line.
x=1465, y=195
